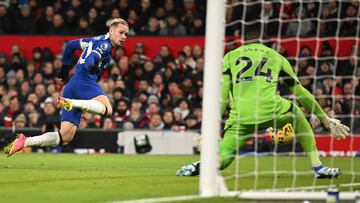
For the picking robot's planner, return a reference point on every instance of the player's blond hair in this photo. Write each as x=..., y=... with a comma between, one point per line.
x=116, y=21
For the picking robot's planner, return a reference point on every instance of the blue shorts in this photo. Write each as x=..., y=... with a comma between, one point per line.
x=77, y=89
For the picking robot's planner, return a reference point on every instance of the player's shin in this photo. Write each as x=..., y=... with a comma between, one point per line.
x=226, y=157
x=92, y=106
x=48, y=139
x=308, y=143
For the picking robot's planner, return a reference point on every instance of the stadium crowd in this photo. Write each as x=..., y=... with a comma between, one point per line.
x=176, y=17
x=164, y=92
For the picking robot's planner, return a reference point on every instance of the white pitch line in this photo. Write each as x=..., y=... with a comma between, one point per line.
x=160, y=199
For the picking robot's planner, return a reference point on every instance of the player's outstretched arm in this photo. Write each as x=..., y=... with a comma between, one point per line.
x=306, y=99
x=70, y=47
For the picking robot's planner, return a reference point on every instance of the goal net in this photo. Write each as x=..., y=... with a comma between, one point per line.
x=320, y=39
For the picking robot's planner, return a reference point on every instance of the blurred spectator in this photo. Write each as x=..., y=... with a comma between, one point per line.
x=28, y=108
x=170, y=8
x=300, y=28
x=83, y=123
x=24, y=91
x=121, y=112
x=142, y=97
x=124, y=8
x=230, y=16
x=347, y=68
x=168, y=119
x=115, y=13
x=25, y=23
x=187, y=19
x=11, y=112
x=189, y=88
x=49, y=114
x=162, y=59
x=198, y=27
x=20, y=121
x=173, y=27
x=157, y=87
x=324, y=72
x=189, y=60
x=6, y=26
x=34, y=119
x=161, y=16
x=2, y=76
x=183, y=107
x=90, y=120
x=192, y=123
x=76, y=9
x=11, y=81
x=46, y=18
x=144, y=11
x=328, y=16
x=312, y=9
x=37, y=58
x=107, y=123
x=316, y=125
x=136, y=105
x=155, y=122
x=152, y=106
x=152, y=27
x=140, y=49
x=349, y=25
x=17, y=62
x=83, y=27
x=327, y=54
x=175, y=93
x=199, y=71
x=58, y=26
x=40, y=92
x=197, y=52
x=136, y=118
x=48, y=72
x=287, y=12
x=95, y=21
x=128, y=126
x=3, y=62
x=37, y=79
x=20, y=75
x=134, y=24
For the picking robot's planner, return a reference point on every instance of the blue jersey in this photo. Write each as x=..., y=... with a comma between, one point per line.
x=83, y=84
x=96, y=51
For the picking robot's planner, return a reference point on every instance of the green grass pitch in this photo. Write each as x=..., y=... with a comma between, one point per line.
x=105, y=178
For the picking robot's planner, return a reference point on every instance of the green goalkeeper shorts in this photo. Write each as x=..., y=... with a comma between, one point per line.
x=236, y=135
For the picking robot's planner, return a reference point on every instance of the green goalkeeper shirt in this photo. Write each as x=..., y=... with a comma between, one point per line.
x=250, y=76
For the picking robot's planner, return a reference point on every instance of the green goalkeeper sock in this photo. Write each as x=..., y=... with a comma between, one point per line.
x=305, y=136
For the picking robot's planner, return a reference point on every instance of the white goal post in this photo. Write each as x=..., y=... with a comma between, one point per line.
x=210, y=180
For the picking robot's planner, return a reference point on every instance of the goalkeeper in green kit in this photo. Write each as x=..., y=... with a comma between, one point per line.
x=249, y=83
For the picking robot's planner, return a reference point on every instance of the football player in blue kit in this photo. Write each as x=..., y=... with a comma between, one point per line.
x=82, y=92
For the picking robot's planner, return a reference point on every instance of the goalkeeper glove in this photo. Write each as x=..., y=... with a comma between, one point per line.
x=337, y=129
x=63, y=73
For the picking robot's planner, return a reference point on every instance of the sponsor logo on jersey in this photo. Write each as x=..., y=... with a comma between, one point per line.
x=102, y=48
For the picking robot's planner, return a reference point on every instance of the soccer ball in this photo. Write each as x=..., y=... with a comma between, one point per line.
x=282, y=136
